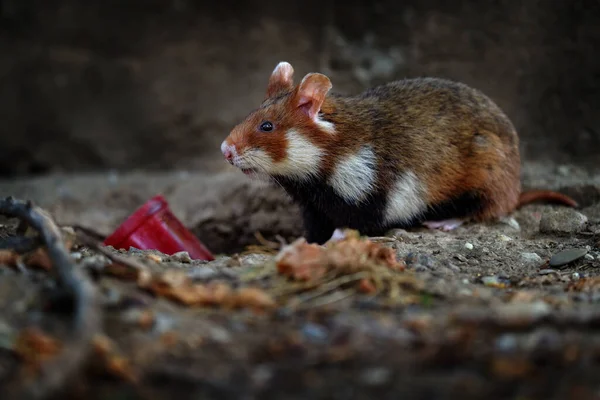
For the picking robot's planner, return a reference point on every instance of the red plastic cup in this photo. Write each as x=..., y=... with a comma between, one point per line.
x=153, y=226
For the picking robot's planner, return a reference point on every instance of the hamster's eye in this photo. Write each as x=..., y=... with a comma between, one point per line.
x=266, y=126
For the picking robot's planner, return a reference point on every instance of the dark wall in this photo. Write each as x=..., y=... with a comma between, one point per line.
x=158, y=84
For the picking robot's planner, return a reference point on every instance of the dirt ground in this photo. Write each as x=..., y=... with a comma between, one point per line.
x=504, y=310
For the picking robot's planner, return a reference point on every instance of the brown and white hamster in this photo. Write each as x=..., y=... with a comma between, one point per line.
x=423, y=151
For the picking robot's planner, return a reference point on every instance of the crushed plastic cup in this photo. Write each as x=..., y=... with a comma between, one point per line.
x=153, y=226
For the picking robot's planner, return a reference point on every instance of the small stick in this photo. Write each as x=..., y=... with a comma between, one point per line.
x=86, y=318
x=97, y=245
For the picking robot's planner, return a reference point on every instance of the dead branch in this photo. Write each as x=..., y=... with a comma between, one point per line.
x=86, y=311
x=83, y=237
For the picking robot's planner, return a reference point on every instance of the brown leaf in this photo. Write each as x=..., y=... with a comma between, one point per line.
x=146, y=319
x=39, y=258
x=366, y=286
x=177, y=286
x=302, y=261
x=35, y=346
x=584, y=284
x=253, y=298
x=9, y=257
x=511, y=367
x=112, y=363
x=121, y=271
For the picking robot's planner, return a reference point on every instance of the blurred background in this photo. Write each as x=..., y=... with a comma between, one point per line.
x=157, y=84
x=133, y=89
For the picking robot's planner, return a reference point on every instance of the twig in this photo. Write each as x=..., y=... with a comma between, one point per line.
x=89, y=232
x=333, y=285
x=327, y=300
x=97, y=245
x=86, y=318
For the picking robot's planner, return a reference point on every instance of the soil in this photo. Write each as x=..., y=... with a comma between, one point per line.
x=482, y=312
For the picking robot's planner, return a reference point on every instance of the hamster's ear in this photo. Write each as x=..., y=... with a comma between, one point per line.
x=281, y=79
x=311, y=93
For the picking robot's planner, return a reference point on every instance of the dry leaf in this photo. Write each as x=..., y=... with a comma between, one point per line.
x=113, y=363
x=39, y=258
x=35, y=347
x=9, y=257
x=366, y=286
x=302, y=261
x=122, y=271
x=177, y=286
x=584, y=284
x=254, y=298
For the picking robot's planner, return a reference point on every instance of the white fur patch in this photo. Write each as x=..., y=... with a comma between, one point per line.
x=405, y=200
x=257, y=159
x=354, y=176
x=327, y=126
x=303, y=158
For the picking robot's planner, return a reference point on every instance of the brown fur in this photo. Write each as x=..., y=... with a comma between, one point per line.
x=452, y=136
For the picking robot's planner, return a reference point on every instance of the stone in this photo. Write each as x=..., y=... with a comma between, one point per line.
x=562, y=221
x=531, y=259
x=414, y=260
x=182, y=257
x=567, y=256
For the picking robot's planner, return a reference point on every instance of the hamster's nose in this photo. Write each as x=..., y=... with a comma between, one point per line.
x=228, y=151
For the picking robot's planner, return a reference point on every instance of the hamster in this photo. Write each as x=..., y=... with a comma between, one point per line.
x=415, y=152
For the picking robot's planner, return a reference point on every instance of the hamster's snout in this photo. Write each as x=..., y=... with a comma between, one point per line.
x=228, y=151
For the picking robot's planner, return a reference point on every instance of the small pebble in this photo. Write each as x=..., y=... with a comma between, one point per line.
x=453, y=267
x=543, y=340
x=531, y=259
x=564, y=170
x=460, y=257
x=575, y=276
x=419, y=261
x=513, y=223
x=261, y=375
x=469, y=246
x=154, y=257
x=562, y=221
x=376, y=376
x=507, y=343
x=491, y=281
x=504, y=238
x=547, y=271
x=522, y=313
x=314, y=332
x=202, y=273
x=589, y=257
x=567, y=256
x=182, y=257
